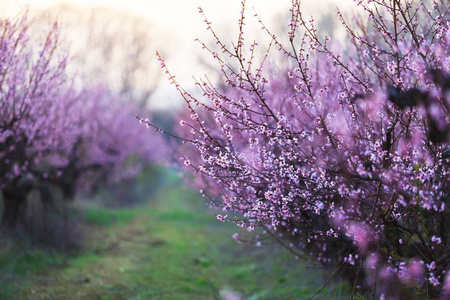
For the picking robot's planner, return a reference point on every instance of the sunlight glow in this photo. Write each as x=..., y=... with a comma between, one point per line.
x=176, y=24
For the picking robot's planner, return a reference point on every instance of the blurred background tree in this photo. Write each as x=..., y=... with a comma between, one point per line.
x=108, y=47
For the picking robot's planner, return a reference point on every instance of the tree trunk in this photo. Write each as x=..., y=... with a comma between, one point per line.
x=13, y=208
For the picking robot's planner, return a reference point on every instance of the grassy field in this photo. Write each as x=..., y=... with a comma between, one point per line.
x=167, y=246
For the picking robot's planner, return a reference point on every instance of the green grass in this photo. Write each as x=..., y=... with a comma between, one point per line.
x=28, y=262
x=168, y=247
x=20, y=261
x=108, y=217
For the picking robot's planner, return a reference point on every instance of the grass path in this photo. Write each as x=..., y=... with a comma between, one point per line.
x=169, y=248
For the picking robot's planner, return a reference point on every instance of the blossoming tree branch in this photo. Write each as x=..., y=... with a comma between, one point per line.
x=340, y=151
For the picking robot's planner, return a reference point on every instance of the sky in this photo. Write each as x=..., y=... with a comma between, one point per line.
x=176, y=13
x=177, y=24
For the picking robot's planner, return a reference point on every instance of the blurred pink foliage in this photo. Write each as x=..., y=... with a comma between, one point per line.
x=52, y=132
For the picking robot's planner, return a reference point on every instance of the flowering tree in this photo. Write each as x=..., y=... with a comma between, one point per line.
x=30, y=85
x=344, y=151
x=100, y=145
x=51, y=132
